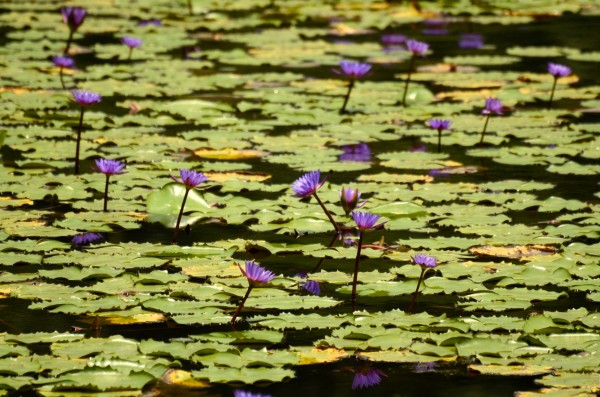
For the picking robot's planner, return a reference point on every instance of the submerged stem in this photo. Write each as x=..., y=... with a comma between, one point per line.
x=78, y=141
x=356, y=263
x=176, y=231
x=414, y=298
x=347, y=97
x=239, y=309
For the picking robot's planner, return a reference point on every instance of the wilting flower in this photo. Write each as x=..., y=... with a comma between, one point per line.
x=108, y=168
x=366, y=220
x=353, y=70
x=439, y=125
x=63, y=62
x=308, y=184
x=417, y=48
x=366, y=377
x=426, y=262
x=350, y=199
x=492, y=106
x=471, y=40
x=86, y=238
x=256, y=275
x=83, y=98
x=360, y=152
x=189, y=179
x=557, y=71
x=86, y=98
x=73, y=17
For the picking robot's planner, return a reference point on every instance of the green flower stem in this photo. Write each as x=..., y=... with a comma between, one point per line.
x=130, y=52
x=350, y=86
x=410, y=68
x=335, y=237
x=414, y=298
x=190, y=8
x=69, y=40
x=78, y=141
x=62, y=81
x=335, y=225
x=487, y=119
x=552, y=93
x=239, y=309
x=106, y=194
x=176, y=231
x=439, y=140
x=356, y=263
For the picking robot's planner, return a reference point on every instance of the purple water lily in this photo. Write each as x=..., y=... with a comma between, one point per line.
x=439, y=125
x=63, y=62
x=311, y=286
x=352, y=70
x=307, y=185
x=492, y=106
x=417, y=48
x=73, y=17
x=367, y=377
x=108, y=168
x=86, y=239
x=189, y=179
x=364, y=221
x=426, y=262
x=131, y=43
x=256, y=276
x=557, y=71
x=84, y=99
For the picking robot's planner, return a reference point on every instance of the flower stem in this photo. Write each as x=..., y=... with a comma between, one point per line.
x=414, y=298
x=335, y=236
x=106, y=194
x=350, y=86
x=335, y=225
x=356, y=263
x=78, y=141
x=176, y=231
x=239, y=309
x=130, y=52
x=552, y=93
x=484, y=128
x=439, y=140
x=62, y=81
x=410, y=68
x=66, y=51
x=190, y=9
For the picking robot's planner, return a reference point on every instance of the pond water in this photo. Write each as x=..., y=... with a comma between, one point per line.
x=244, y=92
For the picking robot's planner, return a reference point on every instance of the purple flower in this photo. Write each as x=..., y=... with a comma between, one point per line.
x=349, y=199
x=471, y=40
x=354, y=70
x=243, y=393
x=493, y=106
x=308, y=184
x=558, y=70
x=86, y=238
x=63, y=62
x=256, y=274
x=73, y=16
x=417, y=47
x=366, y=220
x=109, y=167
x=190, y=179
x=425, y=261
x=86, y=98
x=150, y=22
x=367, y=377
x=131, y=42
x=311, y=286
x=359, y=153
x=439, y=124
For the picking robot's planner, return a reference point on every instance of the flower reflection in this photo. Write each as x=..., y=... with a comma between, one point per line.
x=435, y=27
x=359, y=152
x=366, y=376
x=471, y=41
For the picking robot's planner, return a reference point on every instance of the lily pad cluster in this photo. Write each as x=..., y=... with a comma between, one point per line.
x=243, y=93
